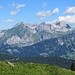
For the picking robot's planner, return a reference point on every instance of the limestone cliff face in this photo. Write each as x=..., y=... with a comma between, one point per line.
x=23, y=34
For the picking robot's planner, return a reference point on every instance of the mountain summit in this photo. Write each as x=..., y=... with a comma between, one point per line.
x=23, y=34
x=44, y=39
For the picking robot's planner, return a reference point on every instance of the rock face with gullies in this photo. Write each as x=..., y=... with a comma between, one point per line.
x=44, y=39
x=23, y=34
x=39, y=40
x=2, y=32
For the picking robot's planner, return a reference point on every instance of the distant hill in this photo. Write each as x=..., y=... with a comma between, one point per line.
x=5, y=57
x=58, y=61
x=64, y=63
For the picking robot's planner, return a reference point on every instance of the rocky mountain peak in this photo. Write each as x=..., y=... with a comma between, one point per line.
x=27, y=34
x=21, y=24
x=43, y=23
x=67, y=26
x=63, y=24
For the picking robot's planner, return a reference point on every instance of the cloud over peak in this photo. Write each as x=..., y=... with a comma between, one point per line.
x=66, y=19
x=70, y=10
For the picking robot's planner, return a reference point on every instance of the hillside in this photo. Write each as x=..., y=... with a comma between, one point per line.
x=32, y=69
x=63, y=46
x=62, y=62
x=39, y=40
x=58, y=61
x=4, y=57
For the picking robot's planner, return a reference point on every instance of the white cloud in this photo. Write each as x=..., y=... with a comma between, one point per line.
x=42, y=14
x=44, y=4
x=70, y=10
x=20, y=6
x=8, y=20
x=14, y=12
x=17, y=7
x=66, y=19
x=56, y=10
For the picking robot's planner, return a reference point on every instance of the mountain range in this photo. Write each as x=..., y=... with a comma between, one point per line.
x=44, y=39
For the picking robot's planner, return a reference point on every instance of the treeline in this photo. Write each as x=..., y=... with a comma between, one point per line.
x=52, y=60
x=62, y=62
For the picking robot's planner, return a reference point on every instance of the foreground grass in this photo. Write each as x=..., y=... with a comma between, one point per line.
x=32, y=69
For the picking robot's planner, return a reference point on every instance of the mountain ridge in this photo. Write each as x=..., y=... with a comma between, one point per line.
x=23, y=34
x=62, y=46
x=39, y=40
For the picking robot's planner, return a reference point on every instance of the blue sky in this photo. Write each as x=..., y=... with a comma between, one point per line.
x=36, y=11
